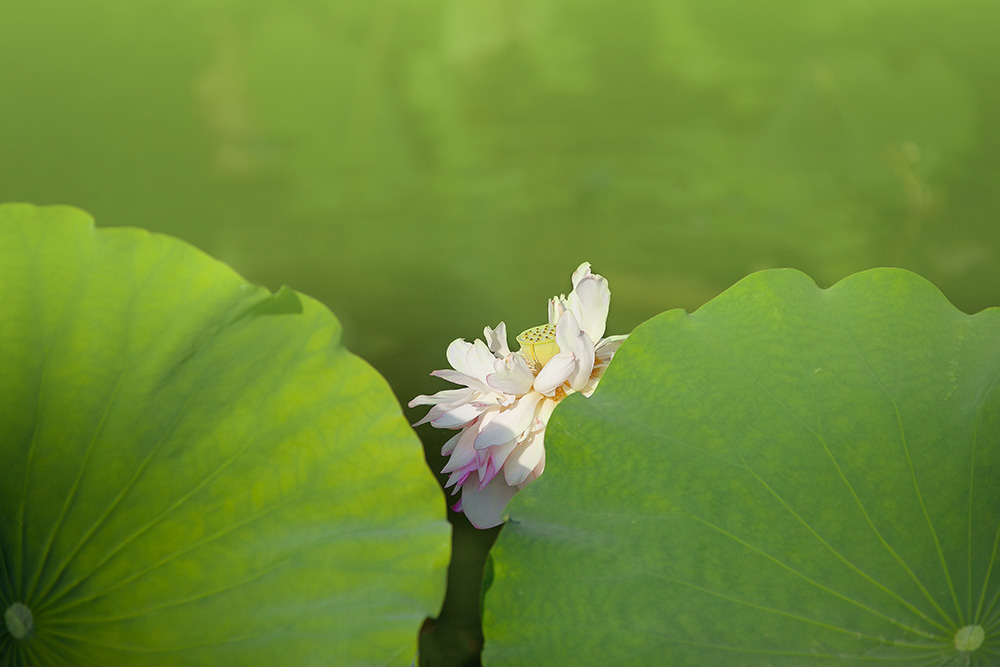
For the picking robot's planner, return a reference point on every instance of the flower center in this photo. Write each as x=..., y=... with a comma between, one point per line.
x=538, y=344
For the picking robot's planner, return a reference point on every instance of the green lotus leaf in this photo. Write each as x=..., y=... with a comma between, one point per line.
x=193, y=470
x=788, y=476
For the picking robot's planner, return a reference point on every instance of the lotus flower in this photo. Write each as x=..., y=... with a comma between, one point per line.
x=507, y=397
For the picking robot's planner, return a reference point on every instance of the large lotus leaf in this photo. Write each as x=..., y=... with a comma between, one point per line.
x=193, y=470
x=788, y=476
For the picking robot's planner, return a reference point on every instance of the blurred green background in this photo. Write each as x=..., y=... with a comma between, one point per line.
x=427, y=167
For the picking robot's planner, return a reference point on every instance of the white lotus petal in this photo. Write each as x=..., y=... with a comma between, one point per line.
x=456, y=417
x=499, y=454
x=593, y=299
x=543, y=413
x=524, y=459
x=571, y=339
x=536, y=473
x=458, y=349
x=589, y=301
x=484, y=507
x=434, y=413
x=567, y=328
x=604, y=352
x=449, y=447
x=496, y=339
x=608, y=346
x=458, y=377
x=556, y=371
x=463, y=451
x=581, y=272
x=480, y=360
x=510, y=423
x=513, y=375
x=486, y=472
x=457, y=478
x=557, y=306
x=454, y=396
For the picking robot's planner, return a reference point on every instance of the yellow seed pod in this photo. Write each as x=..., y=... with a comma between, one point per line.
x=538, y=344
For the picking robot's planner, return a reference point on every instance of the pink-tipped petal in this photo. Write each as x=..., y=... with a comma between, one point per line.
x=486, y=472
x=500, y=453
x=449, y=446
x=458, y=477
x=463, y=453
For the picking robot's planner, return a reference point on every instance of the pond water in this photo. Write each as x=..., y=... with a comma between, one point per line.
x=428, y=167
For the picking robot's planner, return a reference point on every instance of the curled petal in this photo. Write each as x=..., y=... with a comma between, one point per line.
x=496, y=339
x=582, y=272
x=458, y=349
x=589, y=301
x=484, y=507
x=513, y=376
x=472, y=359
